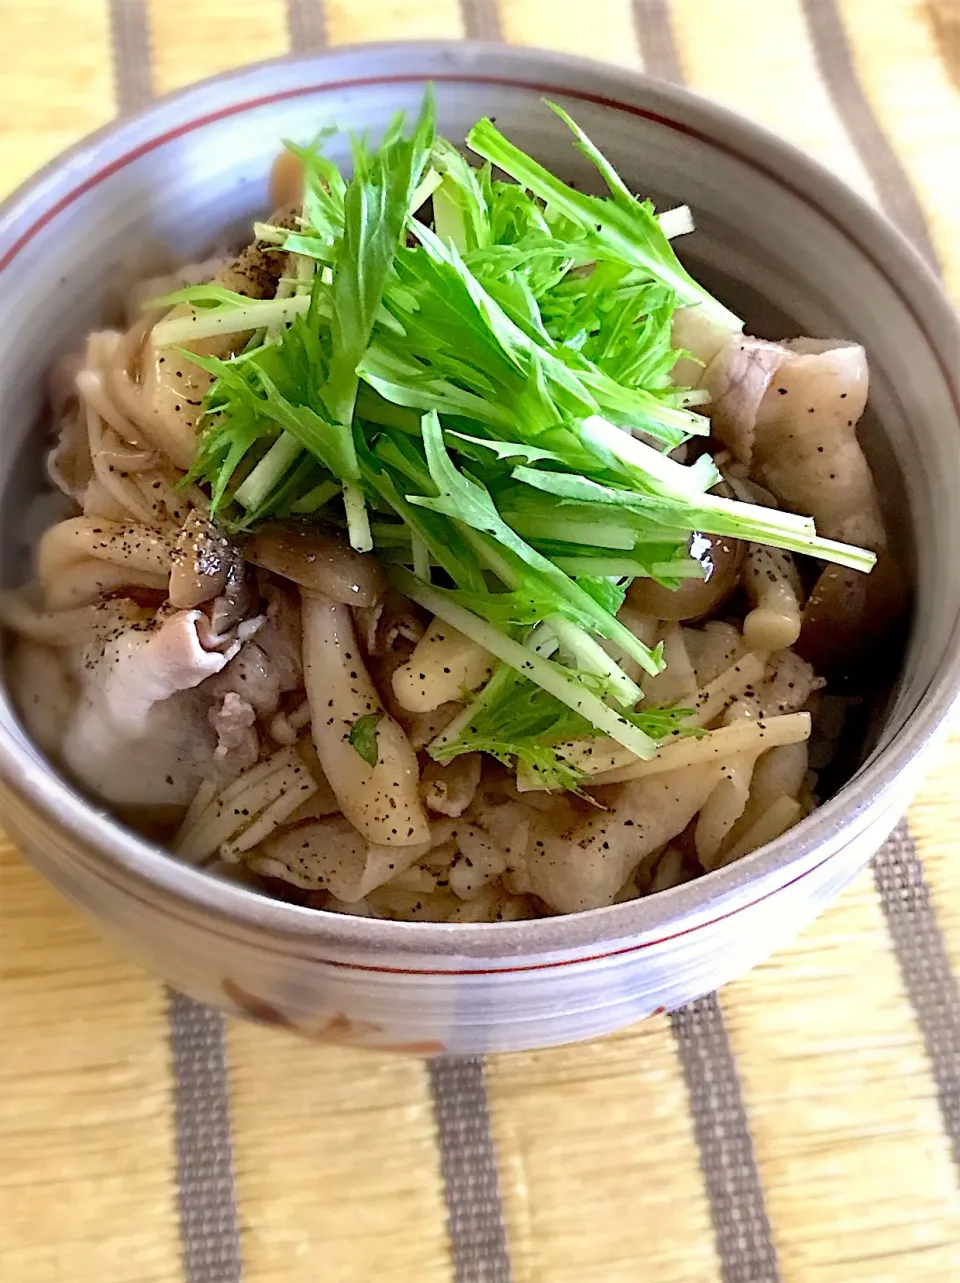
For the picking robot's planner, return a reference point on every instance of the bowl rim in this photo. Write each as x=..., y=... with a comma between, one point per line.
x=44, y=196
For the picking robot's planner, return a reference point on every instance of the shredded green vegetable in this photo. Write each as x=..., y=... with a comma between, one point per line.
x=474, y=377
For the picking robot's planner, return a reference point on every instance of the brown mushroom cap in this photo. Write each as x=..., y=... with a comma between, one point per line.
x=849, y=615
x=203, y=563
x=319, y=560
x=720, y=557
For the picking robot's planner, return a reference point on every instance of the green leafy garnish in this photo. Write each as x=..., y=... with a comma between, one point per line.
x=516, y=721
x=621, y=227
x=474, y=378
x=363, y=737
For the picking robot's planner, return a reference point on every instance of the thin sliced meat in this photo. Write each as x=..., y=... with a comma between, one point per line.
x=583, y=866
x=140, y=734
x=789, y=412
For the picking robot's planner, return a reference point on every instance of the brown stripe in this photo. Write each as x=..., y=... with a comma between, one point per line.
x=481, y=19
x=658, y=48
x=130, y=33
x=744, y=1242
x=468, y=1161
x=892, y=183
x=209, y=1233
x=925, y=966
x=306, y=25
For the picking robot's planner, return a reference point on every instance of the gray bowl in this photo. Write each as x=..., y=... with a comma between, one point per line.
x=798, y=252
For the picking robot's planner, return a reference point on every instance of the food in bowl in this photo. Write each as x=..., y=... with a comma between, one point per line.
x=449, y=553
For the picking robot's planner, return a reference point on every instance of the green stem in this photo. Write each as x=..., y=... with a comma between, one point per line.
x=590, y=657
x=358, y=519
x=550, y=676
x=279, y=458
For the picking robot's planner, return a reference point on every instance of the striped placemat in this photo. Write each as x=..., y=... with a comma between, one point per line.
x=801, y=1127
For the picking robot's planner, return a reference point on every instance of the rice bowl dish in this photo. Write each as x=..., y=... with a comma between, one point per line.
x=167, y=201
x=449, y=553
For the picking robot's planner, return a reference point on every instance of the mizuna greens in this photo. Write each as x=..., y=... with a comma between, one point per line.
x=473, y=375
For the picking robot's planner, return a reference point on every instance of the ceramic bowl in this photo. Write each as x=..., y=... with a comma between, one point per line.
x=791, y=247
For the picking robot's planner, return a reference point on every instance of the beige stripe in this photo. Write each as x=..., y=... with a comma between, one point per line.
x=192, y=40
x=52, y=90
x=349, y=21
x=601, y=29
x=760, y=62
x=934, y=819
x=904, y=78
x=848, y=1135
x=86, y=1127
x=599, y=1172
x=336, y=1163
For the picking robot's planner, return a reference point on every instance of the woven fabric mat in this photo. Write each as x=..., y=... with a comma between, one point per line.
x=803, y=1126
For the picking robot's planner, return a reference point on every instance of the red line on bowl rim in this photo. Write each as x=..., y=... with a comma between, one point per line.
x=593, y=957
x=131, y=893
x=582, y=95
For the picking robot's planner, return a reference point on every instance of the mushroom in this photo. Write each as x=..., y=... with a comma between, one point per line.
x=443, y=665
x=202, y=563
x=286, y=180
x=376, y=781
x=318, y=560
x=719, y=557
x=773, y=586
x=854, y=619
x=449, y=789
x=392, y=621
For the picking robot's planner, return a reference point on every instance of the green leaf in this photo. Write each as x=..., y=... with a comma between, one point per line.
x=363, y=737
x=514, y=721
x=711, y=514
x=198, y=296
x=457, y=330
x=228, y=314
x=563, y=683
x=604, y=591
x=627, y=233
x=509, y=449
x=461, y=193
x=396, y=461
x=376, y=204
x=323, y=187
x=469, y=502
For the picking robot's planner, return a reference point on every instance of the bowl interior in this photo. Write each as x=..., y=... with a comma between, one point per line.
x=776, y=237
